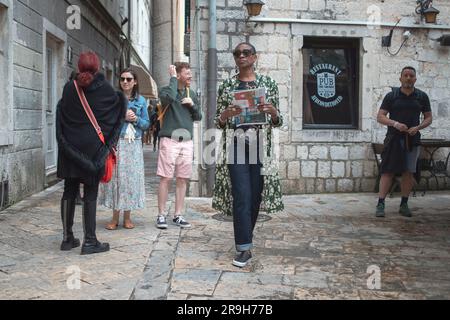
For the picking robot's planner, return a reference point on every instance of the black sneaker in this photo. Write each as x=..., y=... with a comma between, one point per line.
x=380, y=210
x=161, y=222
x=404, y=210
x=181, y=222
x=242, y=258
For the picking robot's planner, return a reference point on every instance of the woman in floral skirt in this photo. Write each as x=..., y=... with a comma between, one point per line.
x=126, y=191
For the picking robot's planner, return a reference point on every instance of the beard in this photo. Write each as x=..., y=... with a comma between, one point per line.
x=408, y=85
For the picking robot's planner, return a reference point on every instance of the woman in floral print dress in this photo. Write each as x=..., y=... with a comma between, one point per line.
x=126, y=191
x=247, y=182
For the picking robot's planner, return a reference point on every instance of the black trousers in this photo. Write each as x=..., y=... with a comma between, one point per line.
x=72, y=189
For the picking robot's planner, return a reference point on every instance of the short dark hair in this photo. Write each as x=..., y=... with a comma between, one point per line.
x=248, y=44
x=182, y=65
x=409, y=68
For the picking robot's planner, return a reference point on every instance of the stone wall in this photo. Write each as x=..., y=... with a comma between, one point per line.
x=334, y=160
x=22, y=155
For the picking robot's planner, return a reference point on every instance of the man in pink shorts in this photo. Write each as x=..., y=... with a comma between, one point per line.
x=176, y=151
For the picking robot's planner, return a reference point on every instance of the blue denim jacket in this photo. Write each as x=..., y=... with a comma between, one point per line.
x=143, y=120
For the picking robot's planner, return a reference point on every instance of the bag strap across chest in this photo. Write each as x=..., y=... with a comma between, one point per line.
x=89, y=112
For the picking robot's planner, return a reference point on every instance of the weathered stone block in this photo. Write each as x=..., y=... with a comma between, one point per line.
x=294, y=170
x=282, y=170
x=302, y=152
x=324, y=169
x=358, y=152
x=309, y=169
x=317, y=5
x=27, y=58
x=330, y=185
x=310, y=185
x=28, y=139
x=339, y=153
x=320, y=186
x=368, y=185
x=289, y=152
x=27, y=120
x=337, y=169
x=318, y=152
x=299, y=5
x=356, y=169
x=345, y=185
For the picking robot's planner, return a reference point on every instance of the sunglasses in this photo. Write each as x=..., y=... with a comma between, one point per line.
x=122, y=79
x=245, y=52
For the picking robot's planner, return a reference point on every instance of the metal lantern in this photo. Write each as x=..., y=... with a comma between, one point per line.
x=253, y=7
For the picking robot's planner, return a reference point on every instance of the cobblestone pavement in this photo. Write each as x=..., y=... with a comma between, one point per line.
x=32, y=267
x=321, y=247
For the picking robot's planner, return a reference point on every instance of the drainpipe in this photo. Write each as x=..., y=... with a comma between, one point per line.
x=129, y=35
x=212, y=85
x=198, y=41
x=172, y=33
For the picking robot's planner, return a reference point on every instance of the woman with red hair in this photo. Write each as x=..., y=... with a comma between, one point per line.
x=82, y=155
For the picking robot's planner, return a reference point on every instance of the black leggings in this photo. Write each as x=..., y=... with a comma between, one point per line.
x=72, y=188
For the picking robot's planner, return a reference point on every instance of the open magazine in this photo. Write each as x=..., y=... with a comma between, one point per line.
x=248, y=101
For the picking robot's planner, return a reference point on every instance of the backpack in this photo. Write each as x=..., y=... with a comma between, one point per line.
x=396, y=93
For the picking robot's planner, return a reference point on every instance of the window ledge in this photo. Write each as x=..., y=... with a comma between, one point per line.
x=331, y=136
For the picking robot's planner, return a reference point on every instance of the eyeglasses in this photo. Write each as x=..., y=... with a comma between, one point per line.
x=245, y=52
x=123, y=79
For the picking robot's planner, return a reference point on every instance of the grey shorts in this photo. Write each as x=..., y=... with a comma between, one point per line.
x=411, y=158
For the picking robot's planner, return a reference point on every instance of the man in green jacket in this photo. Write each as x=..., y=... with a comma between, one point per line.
x=180, y=108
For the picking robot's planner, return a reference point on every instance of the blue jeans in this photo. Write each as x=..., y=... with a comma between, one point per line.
x=247, y=186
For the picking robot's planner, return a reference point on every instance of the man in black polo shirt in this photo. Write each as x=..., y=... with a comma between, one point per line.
x=401, y=146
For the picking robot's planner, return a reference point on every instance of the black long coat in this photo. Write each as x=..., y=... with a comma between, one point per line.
x=81, y=153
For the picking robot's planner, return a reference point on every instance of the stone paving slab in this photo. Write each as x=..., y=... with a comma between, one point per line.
x=33, y=267
x=320, y=247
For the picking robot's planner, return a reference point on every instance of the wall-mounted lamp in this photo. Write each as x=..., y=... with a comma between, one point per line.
x=425, y=9
x=69, y=55
x=386, y=41
x=253, y=7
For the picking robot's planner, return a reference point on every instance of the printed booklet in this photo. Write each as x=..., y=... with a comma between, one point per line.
x=248, y=101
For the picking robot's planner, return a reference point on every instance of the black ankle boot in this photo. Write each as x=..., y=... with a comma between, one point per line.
x=67, y=215
x=91, y=244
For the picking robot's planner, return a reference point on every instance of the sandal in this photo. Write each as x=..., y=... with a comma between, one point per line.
x=112, y=226
x=128, y=225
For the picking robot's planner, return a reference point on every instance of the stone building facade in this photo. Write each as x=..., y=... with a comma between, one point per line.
x=40, y=42
x=333, y=73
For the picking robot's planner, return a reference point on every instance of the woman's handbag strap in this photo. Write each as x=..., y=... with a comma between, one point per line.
x=89, y=112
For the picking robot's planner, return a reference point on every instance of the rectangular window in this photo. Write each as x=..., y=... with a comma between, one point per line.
x=331, y=84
